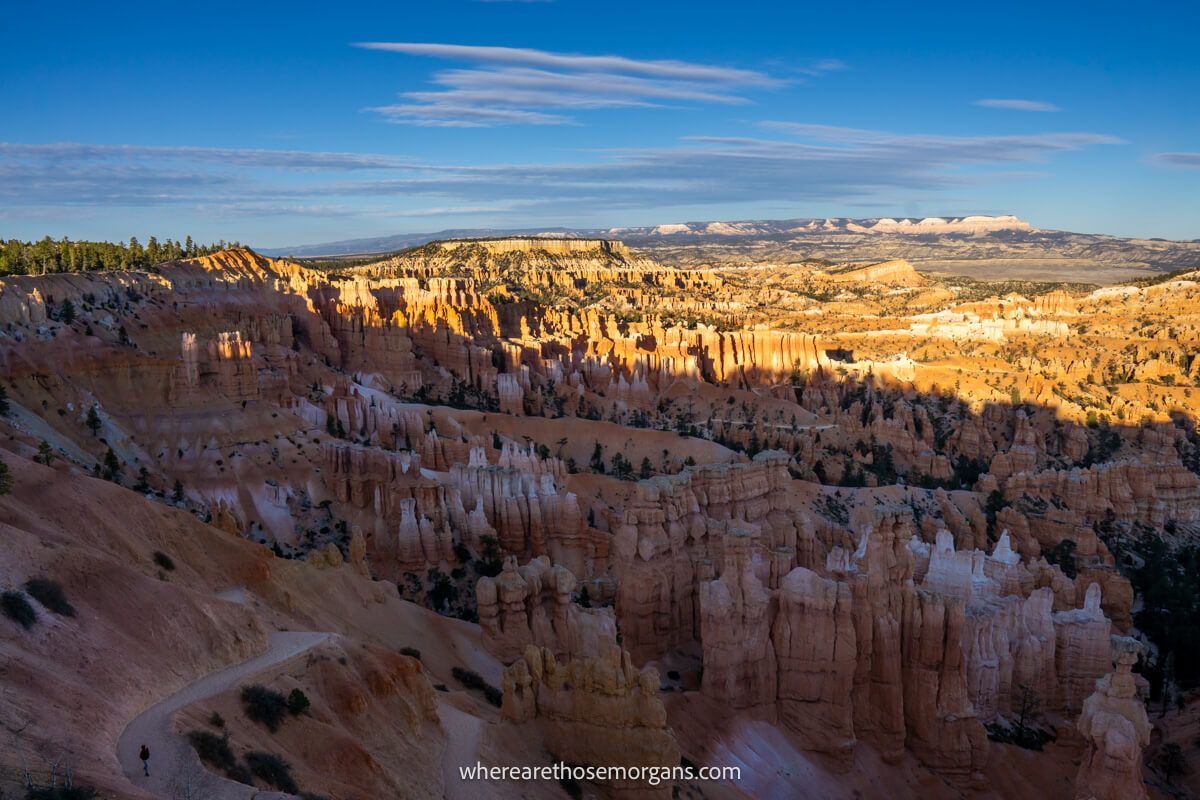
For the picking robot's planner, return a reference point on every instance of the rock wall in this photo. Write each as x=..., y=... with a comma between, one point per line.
x=533, y=605
x=594, y=712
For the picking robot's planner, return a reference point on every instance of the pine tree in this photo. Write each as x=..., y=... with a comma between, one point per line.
x=143, y=481
x=647, y=470
x=6, y=480
x=598, y=459
x=621, y=468
x=177, y=492
x=112, y=467
x=44, y=454
x=5, y=408
x=136, y=255
x=93, y=421
x=66, y=311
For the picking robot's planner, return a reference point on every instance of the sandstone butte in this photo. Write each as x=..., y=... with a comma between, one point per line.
x=855, y=530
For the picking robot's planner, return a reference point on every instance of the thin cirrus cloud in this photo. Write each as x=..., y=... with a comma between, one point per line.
x=1180, y=160
x=522, y=86
x=795, y=162
x=301, y=160
x=1012, y=104
x=934, y=149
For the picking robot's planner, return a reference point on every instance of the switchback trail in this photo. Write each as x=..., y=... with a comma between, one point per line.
x=172, y=761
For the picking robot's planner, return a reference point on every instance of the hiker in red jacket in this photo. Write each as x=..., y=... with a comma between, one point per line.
x=144, y=755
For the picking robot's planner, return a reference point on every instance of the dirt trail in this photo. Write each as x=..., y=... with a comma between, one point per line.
x=174, y=768
x=463, y=735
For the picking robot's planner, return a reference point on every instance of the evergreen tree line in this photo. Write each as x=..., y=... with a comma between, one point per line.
x=64, y=255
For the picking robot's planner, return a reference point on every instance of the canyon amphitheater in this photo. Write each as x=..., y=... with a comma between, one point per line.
x=856, y=530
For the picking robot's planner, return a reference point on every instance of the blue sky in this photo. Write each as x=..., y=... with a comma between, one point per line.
x=294, y=123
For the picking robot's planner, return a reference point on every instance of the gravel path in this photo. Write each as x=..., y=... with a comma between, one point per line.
x=174, y=769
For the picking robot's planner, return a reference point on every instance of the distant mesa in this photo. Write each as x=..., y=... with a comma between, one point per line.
x=976, y=224
x=897, y=272
x=557, y=246
x=928, y=225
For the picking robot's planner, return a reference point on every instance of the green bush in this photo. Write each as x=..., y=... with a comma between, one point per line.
x=272, y=770
x=50, y=594
x=473, y=680
x=264, y=706
x=17, y=608
x=297, y=702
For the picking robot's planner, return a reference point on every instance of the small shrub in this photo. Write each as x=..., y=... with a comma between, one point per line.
x=472, y=680
x=272, y=770
x=297, y=702
x=213, y=749
x=50, y=594
x=411, y=651
x=1029, y=737
x=163, y=560
x=216, y=720
x=17, y=608
x=239, y=773
x=264, y=706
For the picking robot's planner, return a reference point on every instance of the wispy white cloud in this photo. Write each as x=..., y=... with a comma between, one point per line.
x=455, y=211
x=70, y=152
x=1182, y=160
x=824, y=65
x=1017, y=105
x=512, y=85
x=938, y=149
x=461, y=114
x=527, y=57
x=801, y=163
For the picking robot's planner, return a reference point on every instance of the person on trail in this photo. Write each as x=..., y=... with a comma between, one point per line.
x=144, y=755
